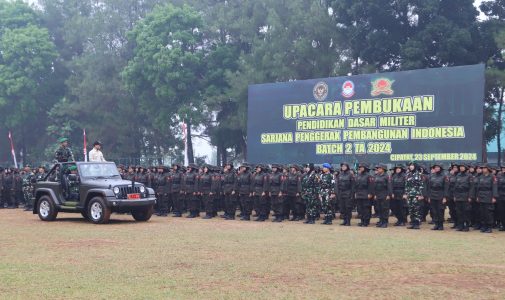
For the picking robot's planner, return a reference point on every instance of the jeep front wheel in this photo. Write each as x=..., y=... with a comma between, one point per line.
x=46, y=209
x=143, y=214
x=98, y=212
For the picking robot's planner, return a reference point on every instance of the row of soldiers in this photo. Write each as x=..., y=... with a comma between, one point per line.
x=474, y=194
x=16, y=186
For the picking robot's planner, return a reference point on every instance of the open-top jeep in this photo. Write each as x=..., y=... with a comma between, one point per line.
x=94, y=189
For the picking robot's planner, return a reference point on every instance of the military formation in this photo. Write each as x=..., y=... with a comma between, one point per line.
x=473, y=194
x=16, y=186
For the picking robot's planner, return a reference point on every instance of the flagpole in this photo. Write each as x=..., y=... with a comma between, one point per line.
x=85, y=146
x=185, y=136
x=13, y=152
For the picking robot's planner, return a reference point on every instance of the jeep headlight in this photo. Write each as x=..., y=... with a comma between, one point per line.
x=142, y=189
x=115, y=190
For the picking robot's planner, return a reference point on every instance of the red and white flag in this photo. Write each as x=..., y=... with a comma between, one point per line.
x=12, y=151
x=85, y=146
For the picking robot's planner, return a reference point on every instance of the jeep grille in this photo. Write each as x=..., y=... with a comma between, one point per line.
x=125, y=190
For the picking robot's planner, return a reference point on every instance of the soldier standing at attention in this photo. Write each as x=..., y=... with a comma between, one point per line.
x=229, y=191
x=217, y=190
x=260, y=190
x=476, y=171
x=28, y=179
x=309, y=194
x=382, y=191
x=2, y=199
x=486, y=192
x=175, y=182
x=414, y=192
x=161, y=191
x=345, y=192
x=437, y=190
x=500, y=204
x=293, y=199
x=453, y=172
x=276, y=180
x=463, y=191
x=363, y=185
x=326, y=190
x=190, y=191
x=397, y=199
x=244, y=185
x=64, y=153
x=204, y=189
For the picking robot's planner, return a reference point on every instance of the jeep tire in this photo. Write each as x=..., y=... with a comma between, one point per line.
x=98, y=212
x=46, y=209
x=143, y=214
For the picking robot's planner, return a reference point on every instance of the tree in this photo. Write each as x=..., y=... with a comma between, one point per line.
x=27, y=57
x=168, y=67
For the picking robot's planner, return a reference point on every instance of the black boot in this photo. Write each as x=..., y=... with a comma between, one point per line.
x=327, y=220
x=384, y=224
x=415, y=225
x=441, y=226
x=310, y=220
x=245, y=218
x=208, y=216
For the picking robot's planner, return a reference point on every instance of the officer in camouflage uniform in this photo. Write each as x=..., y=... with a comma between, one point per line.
x=414, y=191
x=64, y=153
x=310, y=182
x=28, y=179
x=326, y=191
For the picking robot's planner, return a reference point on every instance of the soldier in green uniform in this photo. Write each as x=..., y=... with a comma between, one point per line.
x=64, y=153
x=28, y=179
x=309, y=193
x=414, y=192
x=326, y=191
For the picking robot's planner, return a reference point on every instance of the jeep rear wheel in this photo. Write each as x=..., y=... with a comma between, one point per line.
x=98, y=212
x=143, y=214
x=46, y=209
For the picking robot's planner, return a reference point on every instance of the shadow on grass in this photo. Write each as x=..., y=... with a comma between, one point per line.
x=84, y=221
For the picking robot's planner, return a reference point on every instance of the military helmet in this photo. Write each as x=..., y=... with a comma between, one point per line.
x=62, y=140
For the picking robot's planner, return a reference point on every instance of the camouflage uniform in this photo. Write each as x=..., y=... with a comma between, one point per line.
x=414, y=188
x=309, y=195
x=63, y=154
x=28, y=189
x=326, y=185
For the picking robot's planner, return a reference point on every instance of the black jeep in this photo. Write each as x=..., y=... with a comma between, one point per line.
x=94, y=189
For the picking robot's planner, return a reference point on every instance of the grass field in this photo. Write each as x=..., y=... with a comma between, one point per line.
x=217, y=259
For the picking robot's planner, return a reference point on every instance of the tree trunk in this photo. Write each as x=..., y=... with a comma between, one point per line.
x=191, y=157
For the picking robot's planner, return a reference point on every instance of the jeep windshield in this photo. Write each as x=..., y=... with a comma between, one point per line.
x=98, y=170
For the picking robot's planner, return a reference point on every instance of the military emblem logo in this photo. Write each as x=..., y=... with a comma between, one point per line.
x=382, y=86
x=320, y=91
x=348, y=89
